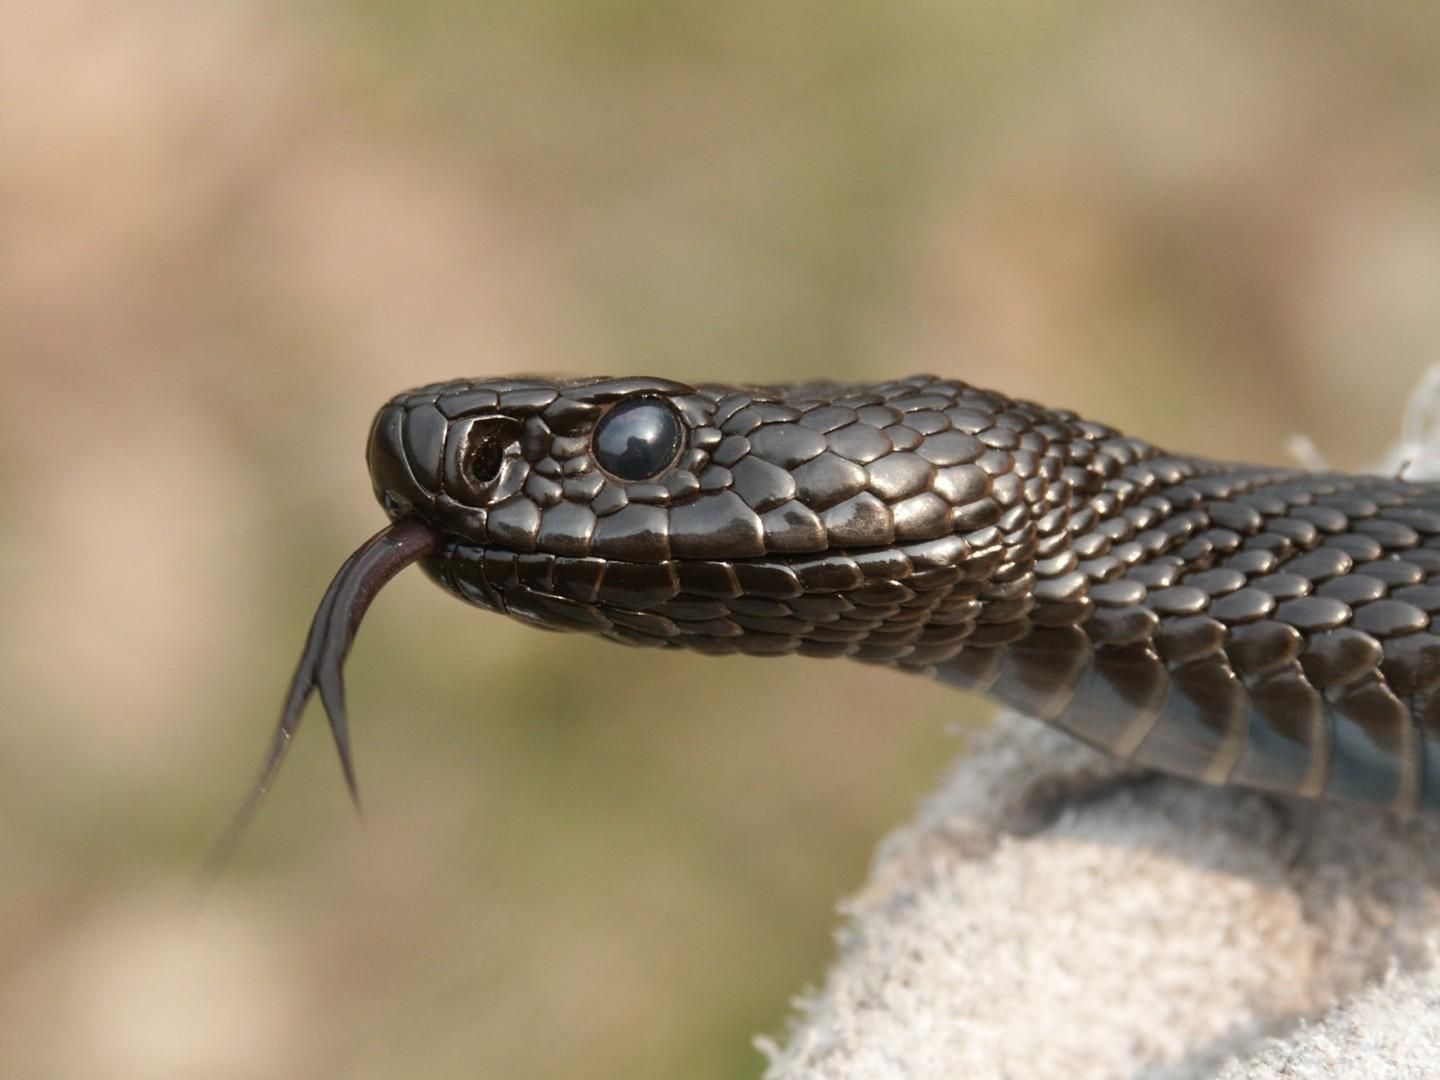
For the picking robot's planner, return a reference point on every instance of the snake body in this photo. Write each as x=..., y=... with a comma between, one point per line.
x=1231, y=623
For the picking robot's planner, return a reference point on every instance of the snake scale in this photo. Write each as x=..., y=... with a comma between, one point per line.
x=1230, y=623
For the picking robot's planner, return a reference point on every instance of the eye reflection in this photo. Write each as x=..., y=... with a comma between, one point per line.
x=637, y=439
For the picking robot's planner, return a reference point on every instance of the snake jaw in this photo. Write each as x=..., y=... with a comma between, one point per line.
x=321, y=667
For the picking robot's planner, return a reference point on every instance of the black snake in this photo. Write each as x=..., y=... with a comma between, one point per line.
x=1231, y=623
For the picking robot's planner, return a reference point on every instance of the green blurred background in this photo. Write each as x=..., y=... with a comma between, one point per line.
x=229, y=230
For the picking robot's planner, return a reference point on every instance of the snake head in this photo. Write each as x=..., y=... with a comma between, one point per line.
x=889, y=522
x=533, y=465
x=649, y=470
x=655, y=512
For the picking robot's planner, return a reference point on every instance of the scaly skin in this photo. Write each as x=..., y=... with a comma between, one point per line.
x=1231, y=623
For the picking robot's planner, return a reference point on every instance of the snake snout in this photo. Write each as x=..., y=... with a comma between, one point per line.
x=418, y=455
x=393, y=453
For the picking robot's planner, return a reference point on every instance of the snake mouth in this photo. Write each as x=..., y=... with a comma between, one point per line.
x=332, y=632
x=865, y=602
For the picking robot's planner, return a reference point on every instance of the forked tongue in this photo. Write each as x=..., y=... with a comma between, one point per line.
x=332, y=632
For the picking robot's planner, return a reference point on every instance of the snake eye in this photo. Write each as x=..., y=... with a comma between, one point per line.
x=637, y=439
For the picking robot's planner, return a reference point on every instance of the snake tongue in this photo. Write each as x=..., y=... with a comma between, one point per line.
x=321, y=665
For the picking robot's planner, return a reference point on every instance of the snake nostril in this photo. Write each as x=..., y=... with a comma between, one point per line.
x=486, y=455
x=478, y=453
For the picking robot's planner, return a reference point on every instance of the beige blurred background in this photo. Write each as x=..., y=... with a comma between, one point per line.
x=229, y=230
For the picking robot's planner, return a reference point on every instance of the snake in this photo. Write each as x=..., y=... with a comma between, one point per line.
x=1231, y=623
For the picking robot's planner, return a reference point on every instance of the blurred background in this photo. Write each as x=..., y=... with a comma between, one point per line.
x=229, y=230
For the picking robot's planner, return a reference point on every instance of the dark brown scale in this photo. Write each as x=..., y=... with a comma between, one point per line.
x=1288, y=738
x=1390, y=535
x=1285, y=586
x=1360, y=548
x=1184, y=640
x=1412, y=664
x=1396, y=573
x=1426, y=522
x=1253, y=563
x=1322, y=564
x=1425, y=597
x=1313, y=614
x=1355, y=589
x=1117, y=594
x=1218, y=582
x=1383, y=619
x=1335, y=658
x=1178, y=600
x=1199, y=732
x=1372, y=730
x=1427, y=558
x=1156, y=576
x=1295, y=532
x=1257, y=648
x=1244, y=605
x=1229, y=623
